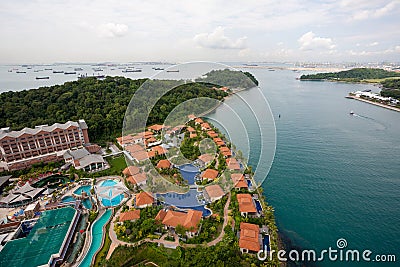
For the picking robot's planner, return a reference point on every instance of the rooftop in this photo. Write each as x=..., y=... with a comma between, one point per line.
x=129, y=215
x=246, y=203
x=214, y=191
x=249, y=237
x=164, y=164
x=131, y=170
x=210, y=174
x=189, y=220
x=144, y=198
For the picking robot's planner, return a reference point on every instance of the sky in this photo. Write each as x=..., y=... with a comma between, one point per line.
x=181, y=31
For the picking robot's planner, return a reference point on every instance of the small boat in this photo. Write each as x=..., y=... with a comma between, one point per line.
x=78, y=69
x=97, y=69
x=48, y=69
x=43, y=78
x=351, y=112
x=69, y=72
x=158, y=68
x=58, y=71
x=172, y=70
x=9, y=70
x=130, y=70
x=21, y=71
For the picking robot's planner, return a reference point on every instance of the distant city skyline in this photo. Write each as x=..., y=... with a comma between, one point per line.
x=180, y=31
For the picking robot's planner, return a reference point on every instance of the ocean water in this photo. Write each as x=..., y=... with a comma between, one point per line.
x=334, y=175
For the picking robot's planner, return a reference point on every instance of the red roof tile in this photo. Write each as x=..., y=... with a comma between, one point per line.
x=144, y=198
x=129, y=215
x=209, y=174
x=164, y=164
x=249, y=237
x=246, y=203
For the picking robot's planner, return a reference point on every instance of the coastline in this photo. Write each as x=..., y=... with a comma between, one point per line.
x=373, y=103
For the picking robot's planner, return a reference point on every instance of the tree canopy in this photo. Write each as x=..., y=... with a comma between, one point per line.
x=353, y=75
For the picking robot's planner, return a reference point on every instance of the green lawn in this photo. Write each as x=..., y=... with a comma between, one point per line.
x=117, y=165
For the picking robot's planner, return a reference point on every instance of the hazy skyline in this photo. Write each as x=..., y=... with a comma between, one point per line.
x=99, y=31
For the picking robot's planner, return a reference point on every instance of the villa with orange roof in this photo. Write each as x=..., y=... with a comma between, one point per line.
x=233, y=164
x=209, y=174
x=206, y=159
x=159, y=150
x=192, y=135
x=198, y=121
x=130, y=170
x=218, y=141
x=238, y=181
x=190, y=220
x=156, y=127
x=214, y=192
x=143, y=200
x=226, y=152
x=191, y=117
x=246, y=205
x=138, y=179
x=249, y=240
x=205, y=126
x=212, y=134
x=131, y=215
x=164, y=164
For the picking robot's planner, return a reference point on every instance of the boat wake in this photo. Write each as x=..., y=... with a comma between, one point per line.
x=379, y=123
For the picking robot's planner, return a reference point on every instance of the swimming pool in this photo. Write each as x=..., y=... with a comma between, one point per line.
x=112, y=202
x=185, y=201
x=97, y=237
x=108, y=183
x=249, y=184
x=86, y=202
x=85, y=188
x=189, y=172
x=258, y=205
x=110, y=192
x=266, y=245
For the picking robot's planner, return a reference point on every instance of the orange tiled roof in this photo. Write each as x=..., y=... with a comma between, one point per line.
x=159, y=149
x=131, y=170
x=151, y=139
x=212, y=134
x=214, y=191
x=129, y=215
x=164, y=164
x=134, y=148
x=206, y=158
x=249, y=236
x=210, y=174
x=191, y=117
x=205, y=125
x=137, y=178
x=192, y=135
x=198, y=120
x=189, y=220
x=190, y=129
x=246, y=203
x=156, y=127
x=144, y=198
x=232, y=164
x=238, y=180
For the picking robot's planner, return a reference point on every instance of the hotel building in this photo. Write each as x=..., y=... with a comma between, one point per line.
x=21, y=149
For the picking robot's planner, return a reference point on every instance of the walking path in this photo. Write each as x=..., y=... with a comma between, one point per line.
x=115, y=242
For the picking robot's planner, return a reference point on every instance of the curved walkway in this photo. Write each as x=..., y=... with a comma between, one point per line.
x=115, y=242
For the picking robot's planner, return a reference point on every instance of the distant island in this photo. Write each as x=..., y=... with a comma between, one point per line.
x=389, y=81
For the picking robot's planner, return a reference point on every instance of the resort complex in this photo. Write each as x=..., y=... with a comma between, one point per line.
x=145, y=191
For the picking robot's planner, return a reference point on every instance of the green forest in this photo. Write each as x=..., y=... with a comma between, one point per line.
x=101, y=103
x=391, y=88
x=353, y=75
x=232, y=79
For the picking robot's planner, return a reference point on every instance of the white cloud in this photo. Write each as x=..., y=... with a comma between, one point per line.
x=218, y=40
x=376, y=12
x=373, y=44
x=309, y=41
x=111, y=30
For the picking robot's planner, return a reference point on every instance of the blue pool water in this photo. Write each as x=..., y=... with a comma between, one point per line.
x=258, y=206
x=266, y=243
x=97, y=236
x=108, y=183
x=249, y=183
x=185, y=201
x=85, y=188
x=67, y=199
x=112, y=202
x=189, y=172
x=86, y=202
